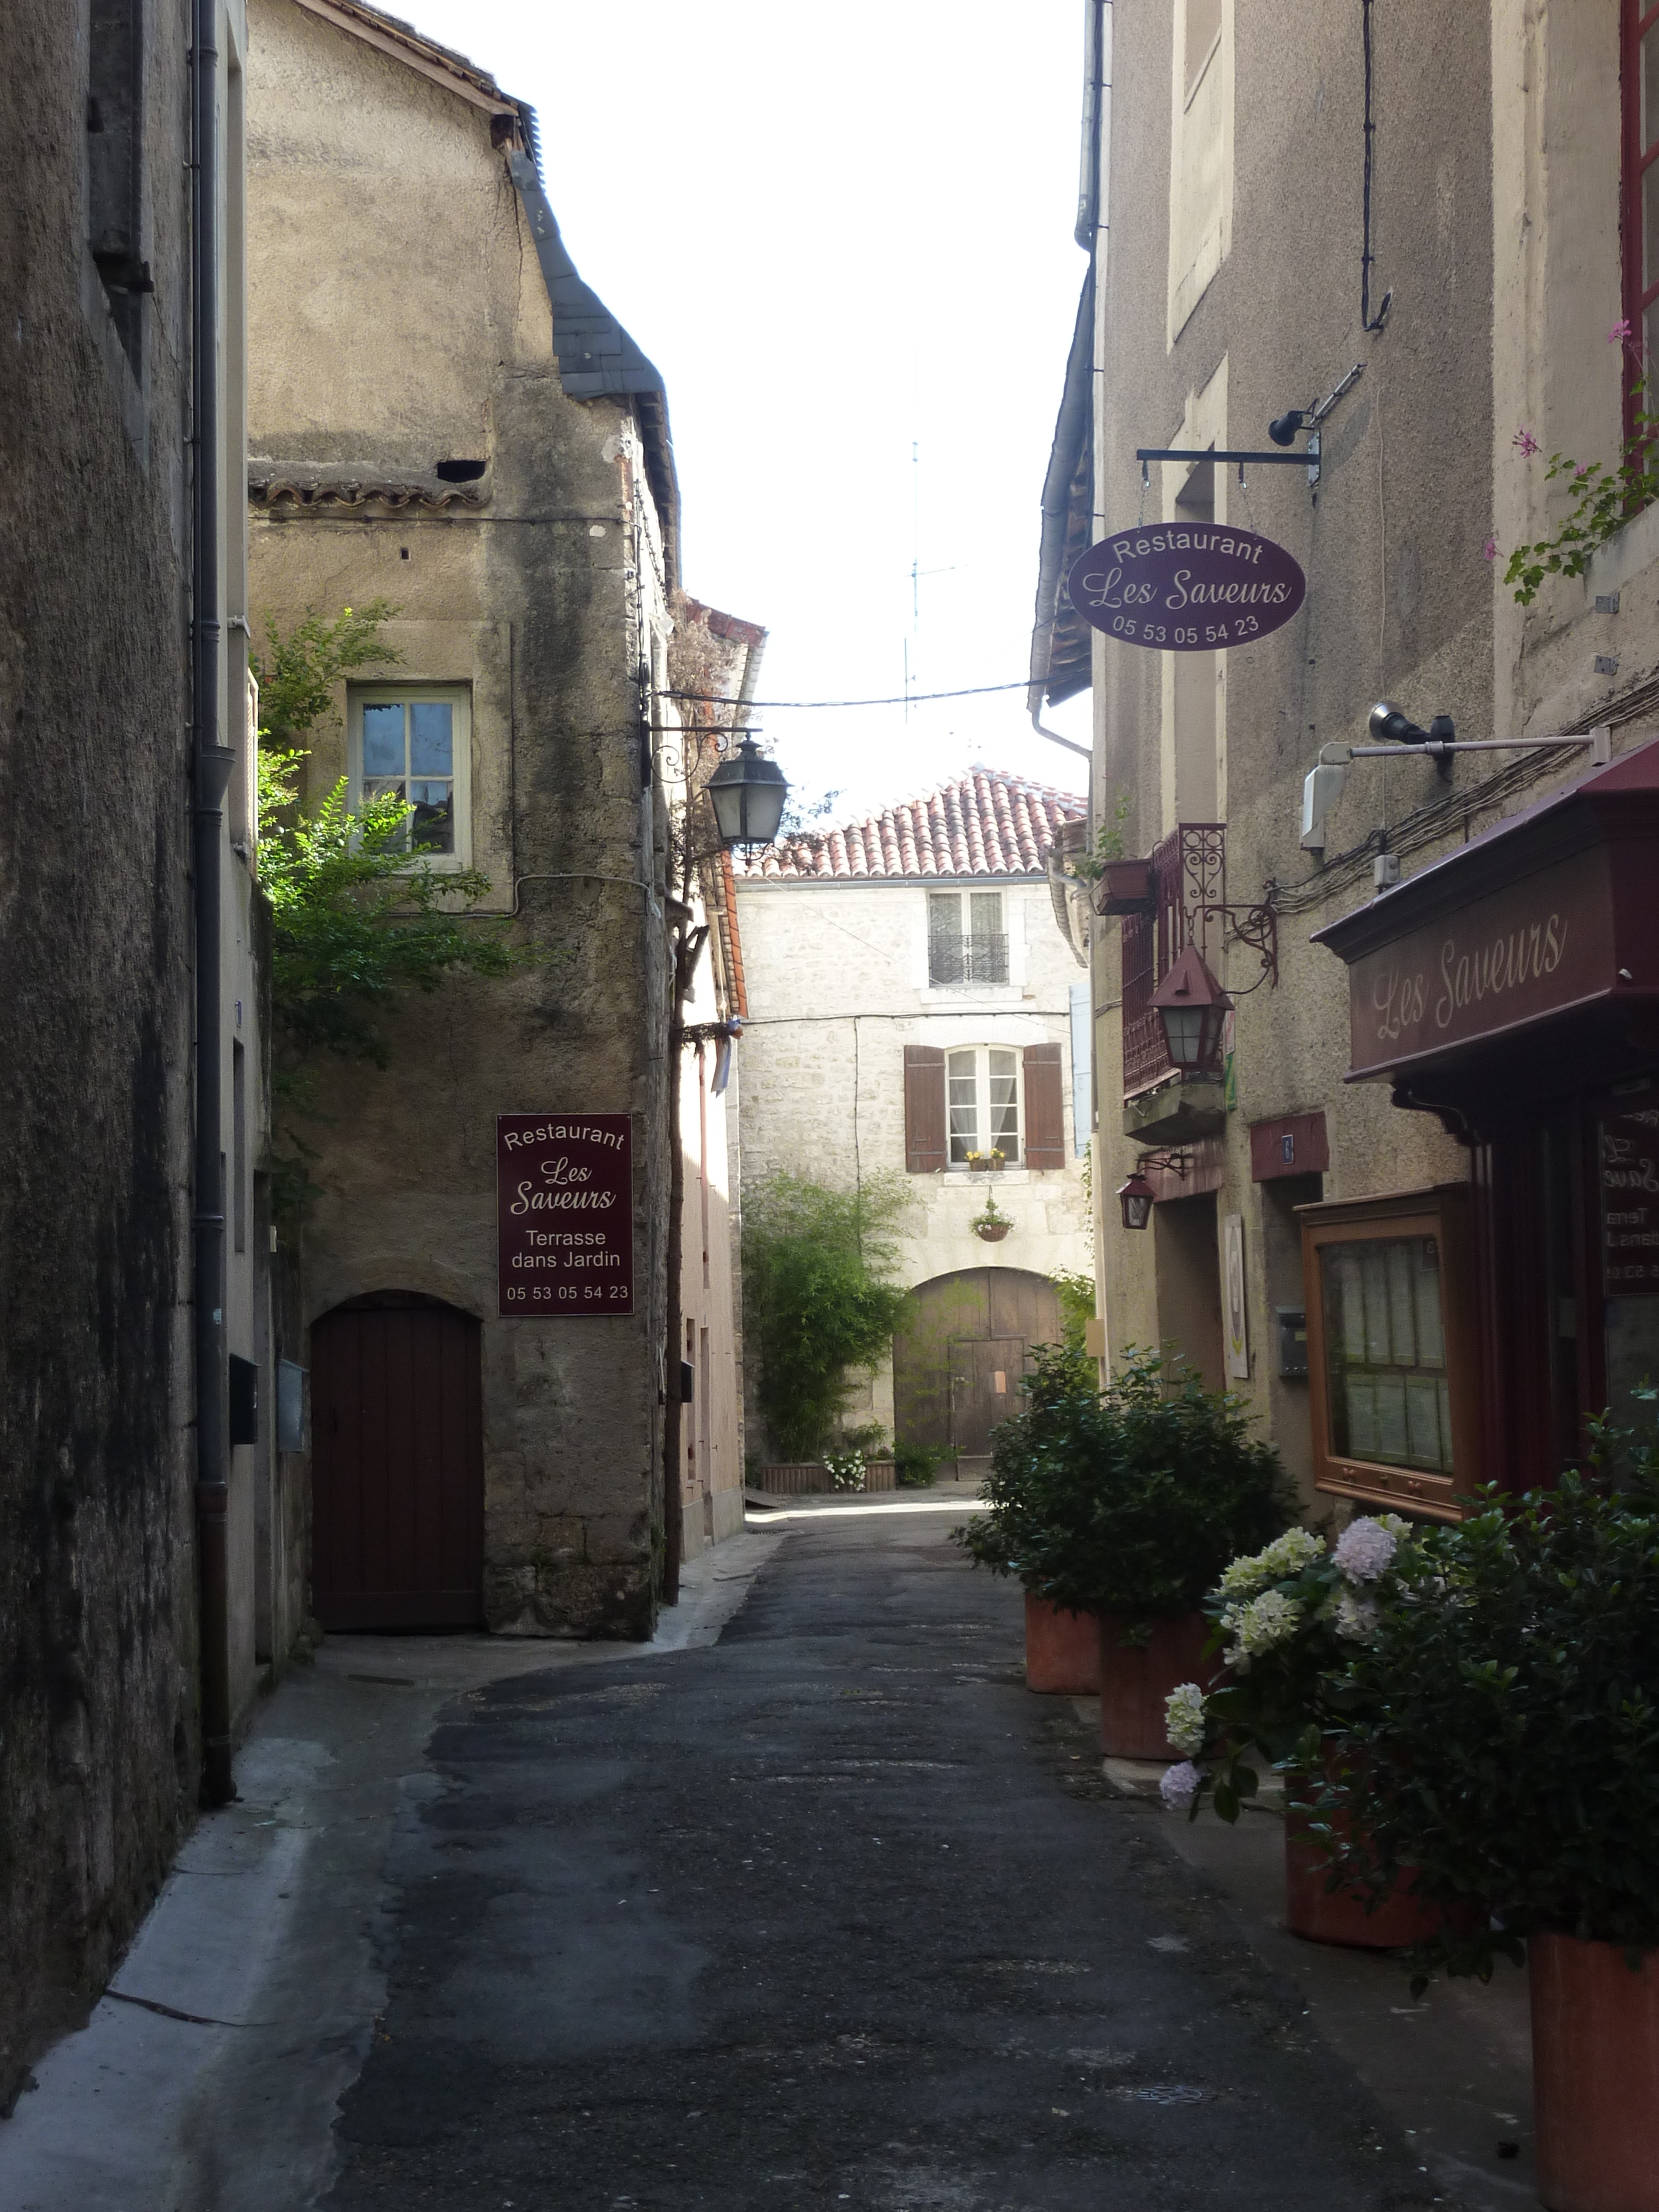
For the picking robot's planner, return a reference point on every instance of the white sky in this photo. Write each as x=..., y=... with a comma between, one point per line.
x=836, y=232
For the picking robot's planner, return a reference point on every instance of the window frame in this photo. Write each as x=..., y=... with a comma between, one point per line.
x=1635, y=21
x=1444, y=1214
x=964, y=936
x=459, y=697
x=984, y=1139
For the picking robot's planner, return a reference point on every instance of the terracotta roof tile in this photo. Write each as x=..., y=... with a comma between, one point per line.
x=985, y=824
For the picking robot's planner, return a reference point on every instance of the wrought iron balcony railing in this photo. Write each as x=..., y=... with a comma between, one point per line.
x=977, y=958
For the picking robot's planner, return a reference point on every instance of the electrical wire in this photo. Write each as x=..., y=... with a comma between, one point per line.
x=898, y=699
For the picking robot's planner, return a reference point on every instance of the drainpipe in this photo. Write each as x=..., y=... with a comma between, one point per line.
x=211, y=769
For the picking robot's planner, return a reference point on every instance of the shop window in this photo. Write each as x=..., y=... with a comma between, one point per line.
x=1391, y=1349
x=414, y=743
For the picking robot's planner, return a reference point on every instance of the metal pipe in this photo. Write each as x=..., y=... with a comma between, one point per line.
x=212, y=767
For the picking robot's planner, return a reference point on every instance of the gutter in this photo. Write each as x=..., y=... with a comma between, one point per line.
x=211, y=767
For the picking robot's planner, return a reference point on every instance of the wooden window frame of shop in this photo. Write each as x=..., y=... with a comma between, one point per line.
x=1444, y=1213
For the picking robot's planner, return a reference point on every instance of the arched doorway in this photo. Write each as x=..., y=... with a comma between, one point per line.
x=397, y=1465
x=958, y=1360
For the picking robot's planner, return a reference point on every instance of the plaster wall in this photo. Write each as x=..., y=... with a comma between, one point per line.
x=540, y=591
x=837, y=977
x=1399, y=599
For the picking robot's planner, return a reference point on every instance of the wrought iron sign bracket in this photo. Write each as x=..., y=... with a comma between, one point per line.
x=1255, y=925
x=1309, y=460
x=1164, y=1163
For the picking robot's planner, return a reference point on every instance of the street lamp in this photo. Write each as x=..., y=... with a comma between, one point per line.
x=747, y=792
x=1135, y=1197
x=1192, y=1006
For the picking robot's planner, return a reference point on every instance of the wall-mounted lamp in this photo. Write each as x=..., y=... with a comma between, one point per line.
x=747, y=792
x=1135, y=1197
x=1283, y=427
x=1192, y=1005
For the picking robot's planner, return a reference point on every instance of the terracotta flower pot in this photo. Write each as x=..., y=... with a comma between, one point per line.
x=1323, y=1915
x=1062, y=1650
x=1136, y=1679
x=1594, y=2076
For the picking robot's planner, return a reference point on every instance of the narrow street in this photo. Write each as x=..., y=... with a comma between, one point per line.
x=827, y=1913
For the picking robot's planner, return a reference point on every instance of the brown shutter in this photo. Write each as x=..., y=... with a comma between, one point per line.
x=1045, y=1120
x=924, y=1108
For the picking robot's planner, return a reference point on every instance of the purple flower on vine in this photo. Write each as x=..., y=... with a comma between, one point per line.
x=1490, y=549
x=1525, y=444
x=1621, y=331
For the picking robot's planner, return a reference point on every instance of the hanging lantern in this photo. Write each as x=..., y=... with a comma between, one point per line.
x=1192, y=1006
x=1135, y=1197
x=747, y=792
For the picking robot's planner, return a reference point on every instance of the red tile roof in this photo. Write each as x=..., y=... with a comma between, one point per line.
x=986, y=823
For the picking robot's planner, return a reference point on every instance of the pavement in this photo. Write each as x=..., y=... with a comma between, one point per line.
x=808, y=1903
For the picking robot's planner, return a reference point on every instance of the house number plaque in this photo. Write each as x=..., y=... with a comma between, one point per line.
x=564, y=1213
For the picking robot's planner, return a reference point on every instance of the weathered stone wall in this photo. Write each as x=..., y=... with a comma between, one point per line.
x=540, y=591
x=98, y=1732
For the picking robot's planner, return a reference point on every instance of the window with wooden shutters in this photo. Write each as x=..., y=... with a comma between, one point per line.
x=1045, y=1115
x=1639, y=87
x=924, y=1108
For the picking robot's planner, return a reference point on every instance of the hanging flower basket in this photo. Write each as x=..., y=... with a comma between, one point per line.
x=992, y=1232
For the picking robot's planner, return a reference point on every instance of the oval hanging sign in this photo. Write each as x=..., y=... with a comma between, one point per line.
x=1186, y=586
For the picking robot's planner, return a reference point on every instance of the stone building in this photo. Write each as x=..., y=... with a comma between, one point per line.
x=1390, y=1201
x=911, y=1012
x=135, y=1582
x=467, y=434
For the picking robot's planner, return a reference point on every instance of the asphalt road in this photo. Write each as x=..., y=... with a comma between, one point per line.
x=833, y=1912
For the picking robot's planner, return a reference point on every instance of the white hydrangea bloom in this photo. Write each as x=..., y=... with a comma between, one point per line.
x=1397, y=1526
x=1180, y=1785
x=1356, y=1618
x=1270, y=1619
x=1365, y=1549
x=1183, y=1719
x=1286, y=1555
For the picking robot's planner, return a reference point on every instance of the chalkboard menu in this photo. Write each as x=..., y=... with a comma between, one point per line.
x=1628, y=1172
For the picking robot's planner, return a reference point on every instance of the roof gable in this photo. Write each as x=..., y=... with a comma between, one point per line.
x=986, y=823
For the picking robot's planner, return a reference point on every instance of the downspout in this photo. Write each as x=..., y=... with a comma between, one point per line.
x=211, y=771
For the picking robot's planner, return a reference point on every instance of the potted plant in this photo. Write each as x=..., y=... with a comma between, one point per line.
x=1127, y=1504
x=1286, y=1619
x=987, y=1162
x=993, y=1224
x=1127, y=887
x=1503, y=1740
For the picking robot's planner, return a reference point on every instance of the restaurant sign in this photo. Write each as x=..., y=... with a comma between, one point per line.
x=1186, y=586
x=564, y=1213
x=1534, y=947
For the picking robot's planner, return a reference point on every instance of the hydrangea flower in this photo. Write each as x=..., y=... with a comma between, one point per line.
x=1355, y=1618
x=1180, y=1785
x=1270, y=1619
x=1183, y=1719
x=1365, y=1549
x=1286, y=1555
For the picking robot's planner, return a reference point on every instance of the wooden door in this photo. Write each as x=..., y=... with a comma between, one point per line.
x=977, y=1306
x=396, y=1465
x=985, y=1378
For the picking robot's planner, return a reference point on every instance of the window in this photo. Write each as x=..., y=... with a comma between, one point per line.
x=115, y=80
x=1639, y=74
x=1391, y=1349
x=415, y=744
x=982, y=1102
x=966, y=940
x=1200, y=153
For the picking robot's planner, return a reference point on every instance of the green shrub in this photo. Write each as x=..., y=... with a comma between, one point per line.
x=1130, y=1500
x=915, y=1466
x=1503, y=1735
x=1077, y=1305
x=817, y=1298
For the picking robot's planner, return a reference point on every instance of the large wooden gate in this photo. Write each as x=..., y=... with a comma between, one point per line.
x=397, y=1465
x=959, y=1361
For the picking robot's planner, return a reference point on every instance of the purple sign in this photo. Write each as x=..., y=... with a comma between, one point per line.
x=564, y=1213
x=1186, y=586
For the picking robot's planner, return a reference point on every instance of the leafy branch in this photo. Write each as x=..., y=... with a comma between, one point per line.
x=1605, y=497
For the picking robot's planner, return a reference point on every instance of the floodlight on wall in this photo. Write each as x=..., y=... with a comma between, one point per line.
x=1192, y=1006
x=747, y=793
x=1283, y=427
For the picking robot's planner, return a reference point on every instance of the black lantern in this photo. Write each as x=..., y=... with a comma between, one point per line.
x=747, y=793
x=1192, y=1006
x=1135, y=1197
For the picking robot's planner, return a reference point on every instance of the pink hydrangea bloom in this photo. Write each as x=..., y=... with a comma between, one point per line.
x=1180, y=1785
x=1364, y=1550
